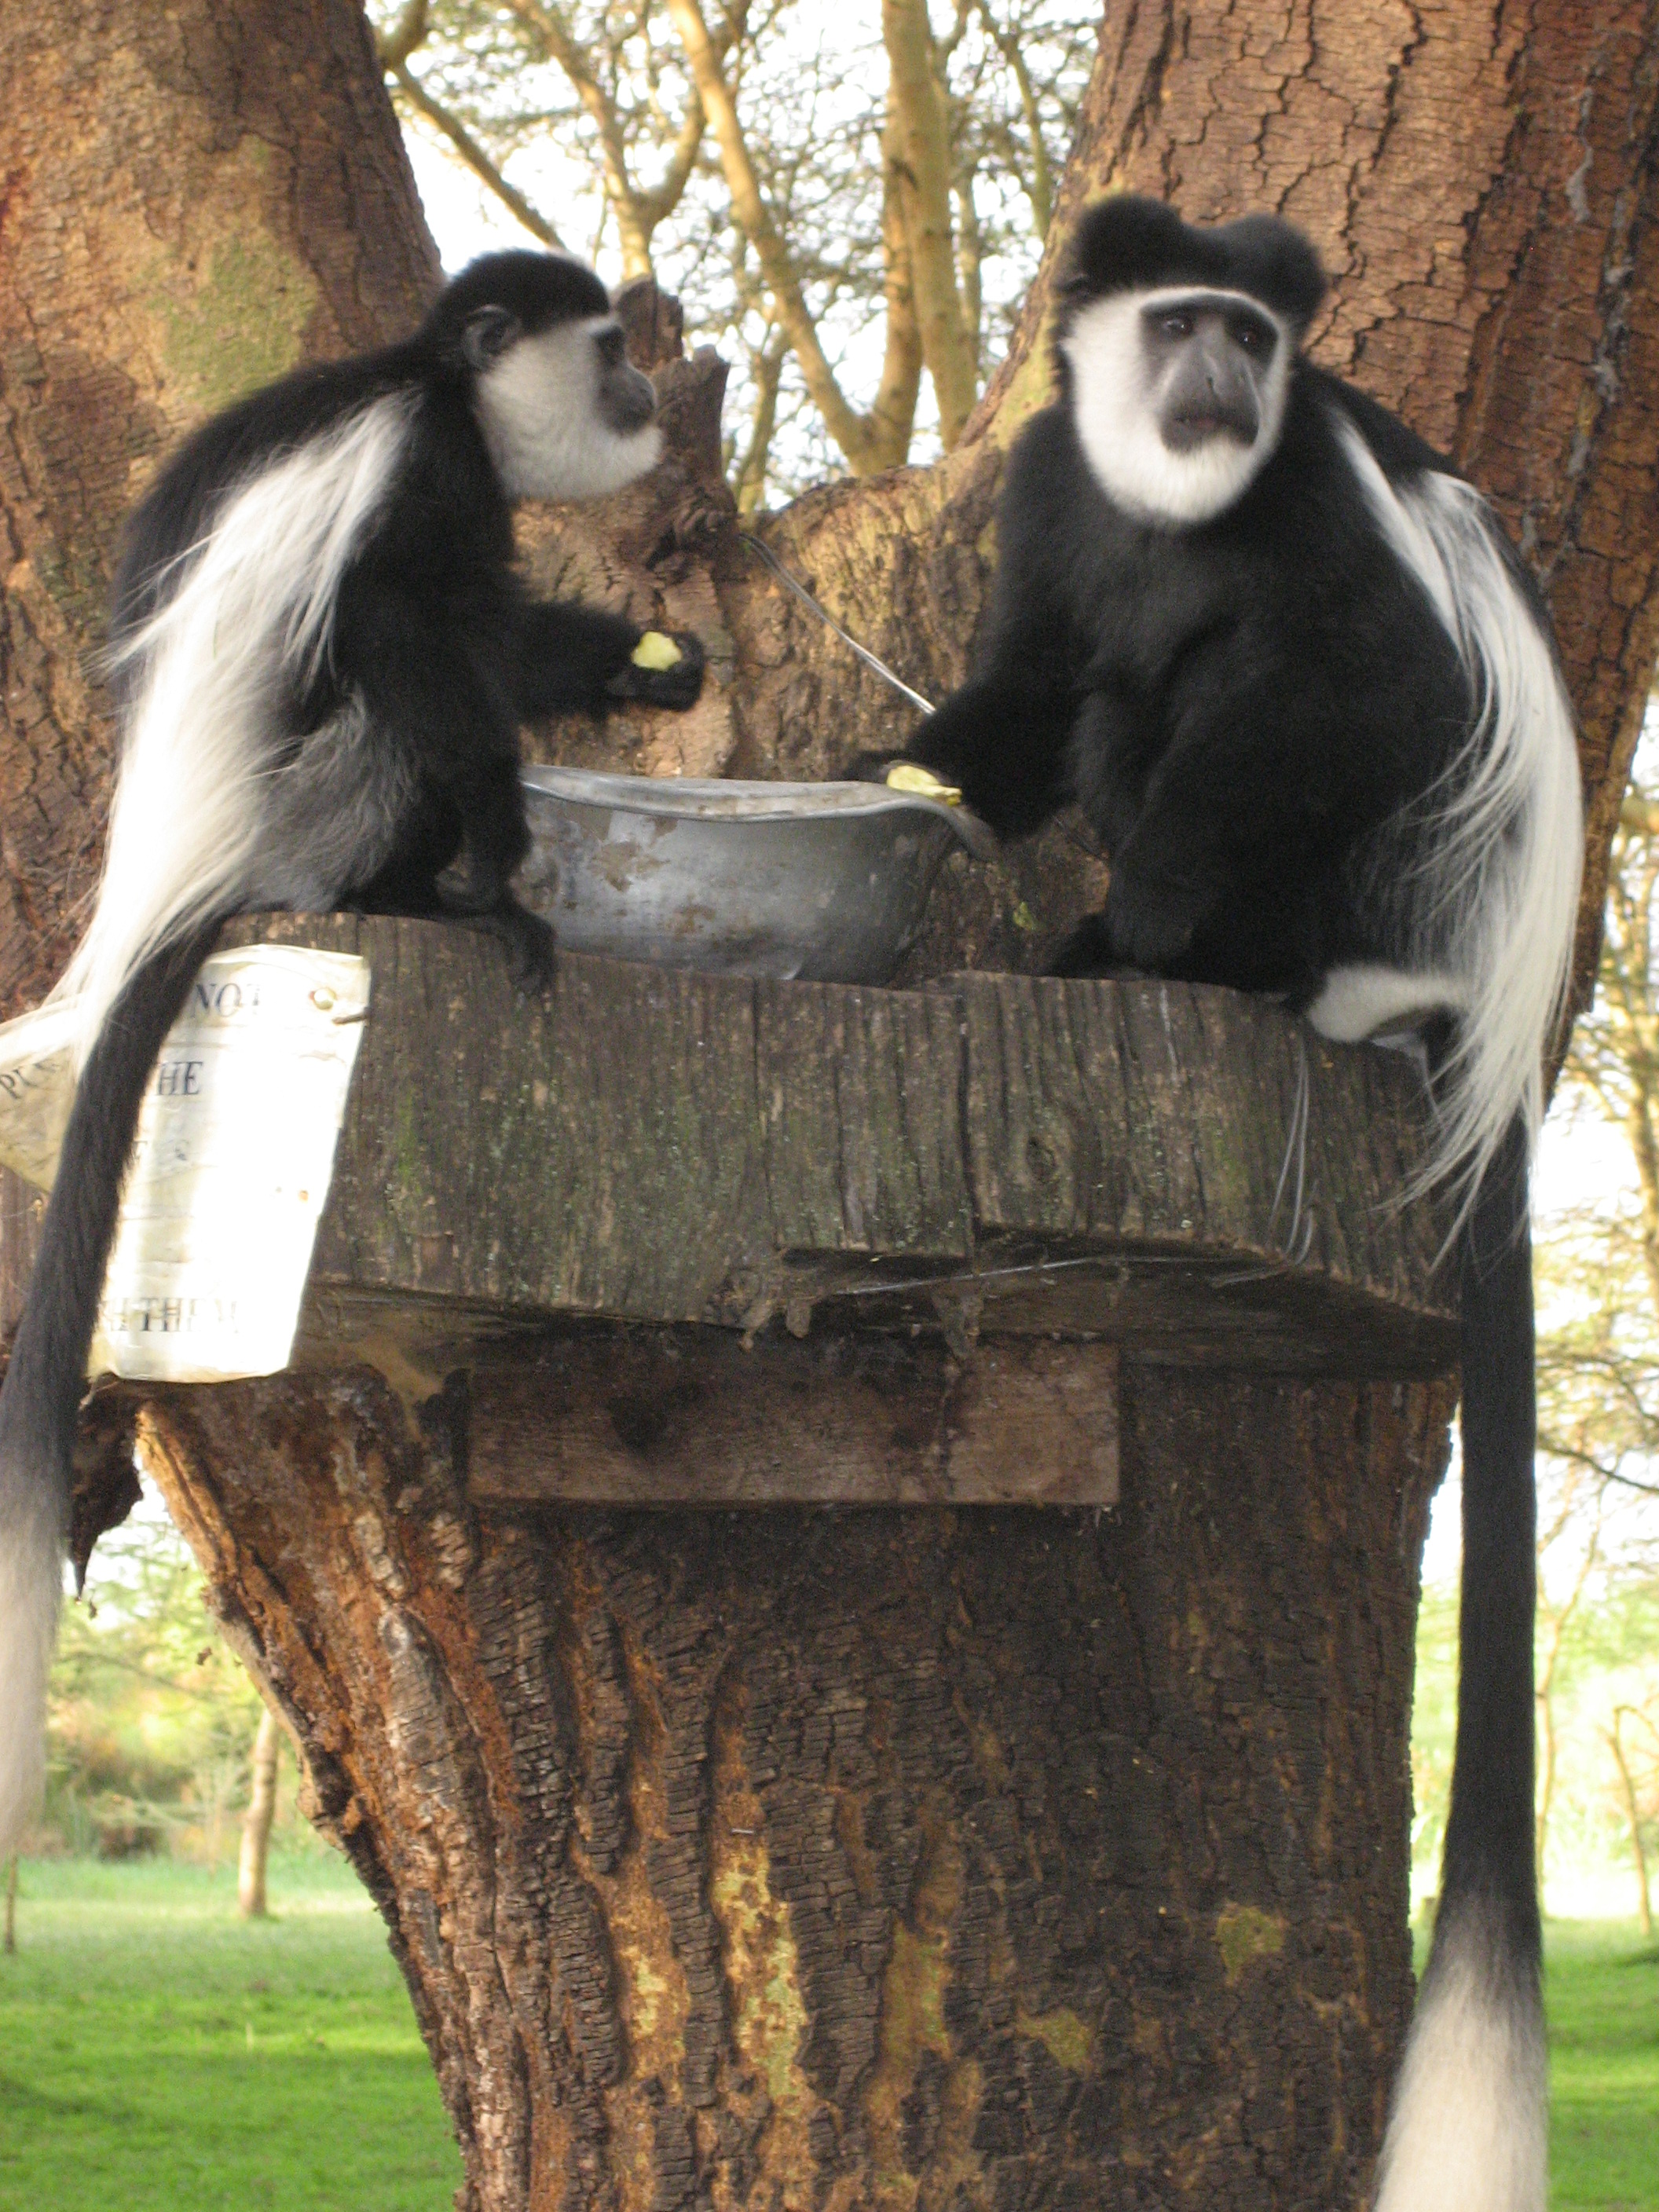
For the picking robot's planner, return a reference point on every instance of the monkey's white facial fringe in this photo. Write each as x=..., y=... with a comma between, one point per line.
x=1498, y=902
x=31, y=1575
x=1116, y=414
x=1466, y=2133
x=248, y=615
x=538, y=410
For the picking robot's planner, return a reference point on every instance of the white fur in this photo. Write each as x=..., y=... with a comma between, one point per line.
x=1369, y=1000
x=255, y=599
x=1496, y=902
x=538, y=409
x=31, y=1577
x=1117, y=424
x=1467, y=2128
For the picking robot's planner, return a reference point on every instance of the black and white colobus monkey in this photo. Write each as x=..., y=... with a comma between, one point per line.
x=322, y=657
x=1288, y=666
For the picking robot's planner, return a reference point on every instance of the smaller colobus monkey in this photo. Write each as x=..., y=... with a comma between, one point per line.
x=322, y=656
x=1287, y=663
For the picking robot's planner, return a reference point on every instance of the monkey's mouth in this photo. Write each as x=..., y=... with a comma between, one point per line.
x=1183, y=434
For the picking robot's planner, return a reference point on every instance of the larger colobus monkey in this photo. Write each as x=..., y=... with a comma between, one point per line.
x=1287, y=663
x=322, y=658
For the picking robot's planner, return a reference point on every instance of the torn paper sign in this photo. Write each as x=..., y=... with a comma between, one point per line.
x=230, y=1166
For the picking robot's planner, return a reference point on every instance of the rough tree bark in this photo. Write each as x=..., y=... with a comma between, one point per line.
x=913, y=1857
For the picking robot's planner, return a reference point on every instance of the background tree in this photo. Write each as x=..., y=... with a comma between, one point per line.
x=829, y=239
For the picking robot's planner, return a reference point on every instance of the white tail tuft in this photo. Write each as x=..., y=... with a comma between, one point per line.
x=248, y=612
x=1467, y=2129
x=31, y=1577
x=1496, y=903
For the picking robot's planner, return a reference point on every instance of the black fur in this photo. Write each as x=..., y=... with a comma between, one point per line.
x=1186, y=689
x=432, y=630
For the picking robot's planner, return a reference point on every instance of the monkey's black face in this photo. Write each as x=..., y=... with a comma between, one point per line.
x=1207, y=361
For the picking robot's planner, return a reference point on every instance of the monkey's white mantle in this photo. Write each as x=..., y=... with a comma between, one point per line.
x=231, y=1165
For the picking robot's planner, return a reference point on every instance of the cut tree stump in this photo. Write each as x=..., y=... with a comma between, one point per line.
x=1035, y=1833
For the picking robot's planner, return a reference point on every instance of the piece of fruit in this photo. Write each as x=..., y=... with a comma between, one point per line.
x=921, y=783
x=655, y=651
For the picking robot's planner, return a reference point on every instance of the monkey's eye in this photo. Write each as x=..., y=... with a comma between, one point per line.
x=488, y=334
x=1176, y=327
x=612, y=343
x=1252, y=337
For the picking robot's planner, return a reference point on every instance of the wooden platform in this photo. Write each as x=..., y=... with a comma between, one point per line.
x=598, y=1206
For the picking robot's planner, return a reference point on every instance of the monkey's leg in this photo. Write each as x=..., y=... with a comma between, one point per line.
x=490, y=804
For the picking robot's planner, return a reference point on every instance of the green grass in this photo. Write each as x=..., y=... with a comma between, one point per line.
x=1602, y=1997
x=159, y=2054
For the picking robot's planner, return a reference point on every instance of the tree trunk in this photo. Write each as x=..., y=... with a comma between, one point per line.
x=192, y=199
x=845, y=1853
x=257, y=1821
x=1632, y=1812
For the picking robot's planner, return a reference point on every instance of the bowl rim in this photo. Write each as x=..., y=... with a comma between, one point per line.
x=733, y=799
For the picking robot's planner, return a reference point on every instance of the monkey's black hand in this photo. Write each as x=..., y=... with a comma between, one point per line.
x=869, y=767
x=678, y=686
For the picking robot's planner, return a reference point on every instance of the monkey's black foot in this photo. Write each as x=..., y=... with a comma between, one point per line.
x=678, y=687
x=1086, y=951
x=1149, y=923
x=529, y=941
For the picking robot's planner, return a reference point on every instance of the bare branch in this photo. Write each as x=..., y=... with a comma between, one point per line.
x=851, y=431
x=392, y=48
x=473, y=154
x=921, y=142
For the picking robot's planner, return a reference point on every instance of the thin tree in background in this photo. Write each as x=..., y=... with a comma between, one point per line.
x=254, y=1862
x=1639, y=1816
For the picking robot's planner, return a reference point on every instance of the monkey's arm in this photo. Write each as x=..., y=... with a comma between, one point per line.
x=1001, y=740
x=580, y=659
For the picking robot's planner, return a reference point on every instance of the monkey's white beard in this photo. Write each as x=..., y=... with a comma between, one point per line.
x=1116, y=419
x=538, y=409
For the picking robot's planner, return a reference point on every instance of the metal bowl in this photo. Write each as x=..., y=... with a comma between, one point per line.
x=827, y=881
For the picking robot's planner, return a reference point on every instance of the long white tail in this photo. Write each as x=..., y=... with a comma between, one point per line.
x=1496, y=905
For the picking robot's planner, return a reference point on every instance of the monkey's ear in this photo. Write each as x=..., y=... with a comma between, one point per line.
x=487, y=334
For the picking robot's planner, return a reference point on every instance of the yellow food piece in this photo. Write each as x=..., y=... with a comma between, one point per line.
x=655, y=651
x=909, y=775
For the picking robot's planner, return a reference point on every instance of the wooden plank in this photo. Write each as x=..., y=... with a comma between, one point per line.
x=862, y=1114
x=688, y=1418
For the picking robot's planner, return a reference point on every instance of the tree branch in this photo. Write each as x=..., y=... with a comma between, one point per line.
x=851, y=431
x=921, y=140
x=473, y=154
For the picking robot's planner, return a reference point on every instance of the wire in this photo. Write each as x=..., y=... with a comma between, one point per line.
x=755, y=545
